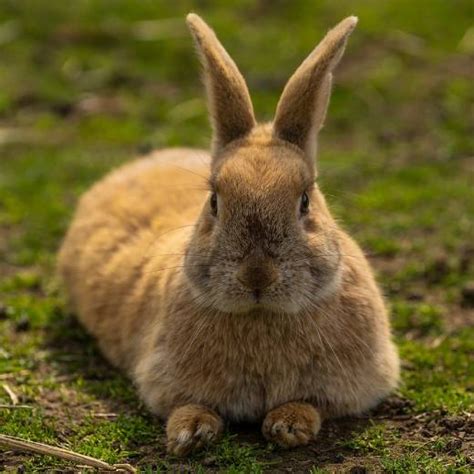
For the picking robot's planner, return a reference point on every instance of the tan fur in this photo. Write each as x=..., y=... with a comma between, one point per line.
x=230, y=106
x=191, y=427
x=251, y=310
x=292, y=424
x=303, y=104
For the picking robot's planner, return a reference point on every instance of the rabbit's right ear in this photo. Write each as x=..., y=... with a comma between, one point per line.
x=302, y=106
x=230, y=106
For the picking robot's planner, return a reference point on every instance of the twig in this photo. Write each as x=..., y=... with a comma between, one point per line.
x=12, y=375
x=13, y=396
x=105, y=415
x=40, y=448
x=11, y=407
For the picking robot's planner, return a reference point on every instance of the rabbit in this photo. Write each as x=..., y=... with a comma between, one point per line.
x=220, y=282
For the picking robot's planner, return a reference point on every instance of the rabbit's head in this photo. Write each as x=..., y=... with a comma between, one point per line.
x=265, y=239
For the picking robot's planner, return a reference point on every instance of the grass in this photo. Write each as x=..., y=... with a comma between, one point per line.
x=84, y=86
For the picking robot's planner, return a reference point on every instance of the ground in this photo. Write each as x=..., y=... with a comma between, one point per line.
x=87, y=85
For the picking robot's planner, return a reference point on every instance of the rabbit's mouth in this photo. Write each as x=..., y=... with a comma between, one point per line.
x=255, y=301
x=258, y=299
x=257, y=296
x=291, y=293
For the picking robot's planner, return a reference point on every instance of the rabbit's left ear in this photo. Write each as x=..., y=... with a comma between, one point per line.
x=230, y=106
x=302, y=107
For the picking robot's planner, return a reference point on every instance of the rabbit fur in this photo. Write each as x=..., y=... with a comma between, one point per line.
x=221, y=283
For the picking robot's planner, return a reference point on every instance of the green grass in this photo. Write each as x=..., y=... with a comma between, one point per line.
x=85, y=86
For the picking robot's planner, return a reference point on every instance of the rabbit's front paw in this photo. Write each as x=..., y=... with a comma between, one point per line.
x=292, y=424
x=191, y=427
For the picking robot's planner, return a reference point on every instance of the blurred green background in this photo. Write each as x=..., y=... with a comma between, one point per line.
x=87, y=85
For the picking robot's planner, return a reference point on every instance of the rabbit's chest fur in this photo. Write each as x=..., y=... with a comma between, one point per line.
x=240, y=364
x=248, y=364
x=245, y=364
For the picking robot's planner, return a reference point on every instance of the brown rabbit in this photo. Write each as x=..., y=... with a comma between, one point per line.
x=245, y=300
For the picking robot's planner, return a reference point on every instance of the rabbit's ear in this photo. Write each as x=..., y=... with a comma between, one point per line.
x=230, y=106
x=304, y=101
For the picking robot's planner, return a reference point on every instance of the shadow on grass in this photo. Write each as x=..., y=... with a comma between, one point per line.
x=78, y=358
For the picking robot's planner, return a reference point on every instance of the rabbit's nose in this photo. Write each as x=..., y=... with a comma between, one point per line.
x=257, y=273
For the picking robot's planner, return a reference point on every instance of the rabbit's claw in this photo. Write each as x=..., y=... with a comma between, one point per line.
x=192, y=427
x=292, y=424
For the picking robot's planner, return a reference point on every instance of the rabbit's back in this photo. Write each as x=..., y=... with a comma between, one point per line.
x=139, y=213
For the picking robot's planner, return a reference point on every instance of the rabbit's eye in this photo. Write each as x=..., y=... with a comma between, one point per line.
x=213, y=203
x=304, y=206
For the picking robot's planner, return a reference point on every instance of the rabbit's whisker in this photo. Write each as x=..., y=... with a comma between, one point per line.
x=205, y=178
x=174, y=267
